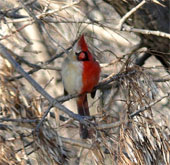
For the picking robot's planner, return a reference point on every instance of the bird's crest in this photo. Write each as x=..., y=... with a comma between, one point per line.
x=82, y=43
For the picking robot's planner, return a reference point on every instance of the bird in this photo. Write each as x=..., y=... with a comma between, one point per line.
x=80, y=74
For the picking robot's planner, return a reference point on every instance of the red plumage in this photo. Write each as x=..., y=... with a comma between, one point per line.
x=82, y=43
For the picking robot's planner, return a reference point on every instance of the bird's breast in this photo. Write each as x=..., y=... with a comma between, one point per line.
x=72, y=76
x=90, y=75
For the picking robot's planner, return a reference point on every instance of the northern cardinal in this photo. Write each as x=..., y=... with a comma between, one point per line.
x=80, y=73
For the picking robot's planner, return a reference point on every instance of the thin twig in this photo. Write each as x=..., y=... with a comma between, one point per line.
x=43, y=118
x=76, y=142
x=20, y=76
x=27, y=145
x=110, y=125
x=4, y=126
x=31, y=14
x=109, y=79
x=16, y=31
x=162, y=80
x=35, y=66
x=66, y=98
x=11, y=13
x=148, y=106
x=128, y=14
x=18, y=120
x=65, y=140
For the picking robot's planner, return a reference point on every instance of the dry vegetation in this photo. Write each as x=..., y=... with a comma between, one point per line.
x=131, y=110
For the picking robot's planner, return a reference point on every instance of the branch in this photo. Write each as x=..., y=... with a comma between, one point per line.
x=4, y=127
x=12, y=12
x=76, y=142
x=3, y=119
x=65, y=140
x=148, y=106
x=128, y=14
x=162, y=80
x=38, y=88
x=146, y=32
x=110, y=125
x=30, y=13
x=43, y=118
x=141, y=60
x=16, y=31
x=101, y=85
x=109, y=79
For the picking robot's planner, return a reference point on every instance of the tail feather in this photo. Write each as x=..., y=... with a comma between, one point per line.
x=83, y=110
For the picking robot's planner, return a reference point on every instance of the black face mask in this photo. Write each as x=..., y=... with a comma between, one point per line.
x=82, y=56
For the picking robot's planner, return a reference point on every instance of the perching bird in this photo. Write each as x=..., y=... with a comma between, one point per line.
x=80, y=73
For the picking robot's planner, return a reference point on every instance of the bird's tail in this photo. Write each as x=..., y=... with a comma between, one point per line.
x=83, y=110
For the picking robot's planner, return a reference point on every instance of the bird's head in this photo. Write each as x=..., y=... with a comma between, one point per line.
x=80, y=51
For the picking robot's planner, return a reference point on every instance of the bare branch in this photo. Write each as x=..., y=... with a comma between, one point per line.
x=162, y=80
x=113, y=78
x=146, y=32
x=110, y=125
x=148, y=106
x=76, y=143
x=18, y=120
x=16, y=31
x=128, y=14
x=42, y=119
x=4, y=126
x=65, y=140
x=31, y=14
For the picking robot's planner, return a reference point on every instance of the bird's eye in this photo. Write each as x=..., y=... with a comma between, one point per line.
x=82, y=56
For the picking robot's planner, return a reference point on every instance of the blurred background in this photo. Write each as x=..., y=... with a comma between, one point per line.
x=39, y=34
